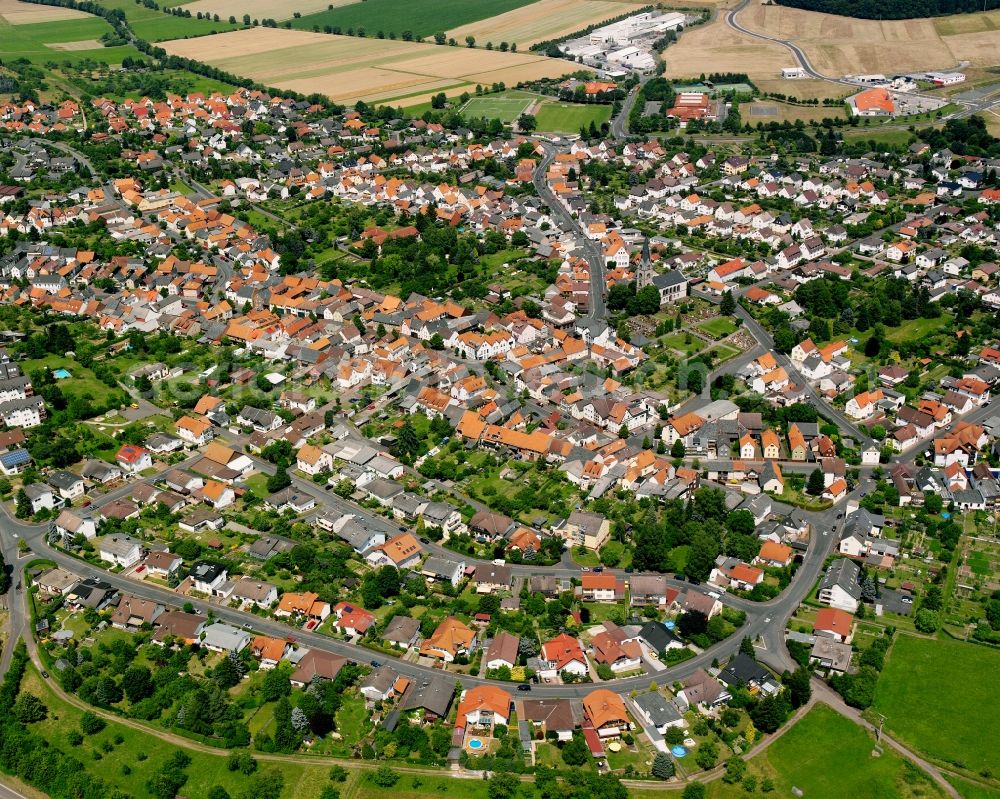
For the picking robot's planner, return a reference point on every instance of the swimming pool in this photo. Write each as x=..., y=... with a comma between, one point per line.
x=475, y=743
x=678, y=751
x=61, y=374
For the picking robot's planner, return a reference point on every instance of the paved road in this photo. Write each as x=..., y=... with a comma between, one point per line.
x=764, y=619
x=592, y=250
x=619, y=125
x=800, y=56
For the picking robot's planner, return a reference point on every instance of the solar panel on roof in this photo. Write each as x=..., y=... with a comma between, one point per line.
x=15, y=457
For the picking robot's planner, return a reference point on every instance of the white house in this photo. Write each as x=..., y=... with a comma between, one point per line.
x=121, y=550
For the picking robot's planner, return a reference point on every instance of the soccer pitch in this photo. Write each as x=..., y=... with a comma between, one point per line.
x=506, y=109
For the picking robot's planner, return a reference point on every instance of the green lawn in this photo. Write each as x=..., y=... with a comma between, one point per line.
x=890, y=137
x=35, y=42
x=829, y=757
x=155, y=26
x=720, y=327
x=82, y=383
x=918, y=329
x=679, y=342
x=970, y=791
x=555, y=117
x=940, y=697
x=396, y=16
x=826, y=756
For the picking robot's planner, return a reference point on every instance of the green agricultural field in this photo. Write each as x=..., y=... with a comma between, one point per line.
x=504, y=107
x=72, y=40
x=827, y=756
x=937, y=697
x=155, y=26
x=396, y=16
x=555, y=117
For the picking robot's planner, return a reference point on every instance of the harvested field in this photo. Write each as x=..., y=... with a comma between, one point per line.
x=545, y=19
x=86, y=44
x=836, y=46
x=715, y=47
x=841, y=45
x=262, y=9
x=17, y=13
x=347, y=69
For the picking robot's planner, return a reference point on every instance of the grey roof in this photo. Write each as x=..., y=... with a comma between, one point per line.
x=225, y=636
x=440, y=567
x=843, y=573
x=658, y=709
x=433, y=694
x=401, y=629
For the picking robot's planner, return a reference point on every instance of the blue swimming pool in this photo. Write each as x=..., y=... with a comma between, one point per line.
x=475, y=743
x=678, y=751
x=61, y=374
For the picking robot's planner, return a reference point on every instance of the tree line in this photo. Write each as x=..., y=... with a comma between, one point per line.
x=892, y=9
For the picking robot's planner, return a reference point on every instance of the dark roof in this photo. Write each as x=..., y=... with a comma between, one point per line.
x=744, y=670
x=657, y=636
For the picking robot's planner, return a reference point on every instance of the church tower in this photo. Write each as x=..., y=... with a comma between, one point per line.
x=644, y=274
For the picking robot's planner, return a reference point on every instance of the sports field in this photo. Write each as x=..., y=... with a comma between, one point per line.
x=347, y=68
x=940, y=697
x=60, y=39
x=556, y=117
x=835, y=45
x=505, y=107
x=542, y=20
x=424, y=18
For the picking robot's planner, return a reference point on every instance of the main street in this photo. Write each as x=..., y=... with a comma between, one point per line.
x=569, y=224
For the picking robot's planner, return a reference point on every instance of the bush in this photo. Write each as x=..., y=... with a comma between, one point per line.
x=91, y=724
x=338, y=773
x=696, y=790
x=384, y=777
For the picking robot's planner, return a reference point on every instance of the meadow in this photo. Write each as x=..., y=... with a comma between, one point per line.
x=826, y=756
x=936, y=698
x=396, y=16
x=347, y=68
x=542, y=20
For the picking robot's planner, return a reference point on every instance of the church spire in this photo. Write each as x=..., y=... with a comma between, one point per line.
x=644, y=274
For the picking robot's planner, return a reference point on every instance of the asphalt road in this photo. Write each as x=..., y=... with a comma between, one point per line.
x=765, y=621
x=592, y=250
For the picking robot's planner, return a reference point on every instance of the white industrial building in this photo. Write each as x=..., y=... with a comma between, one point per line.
x=637, y=28
x=945, y=78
